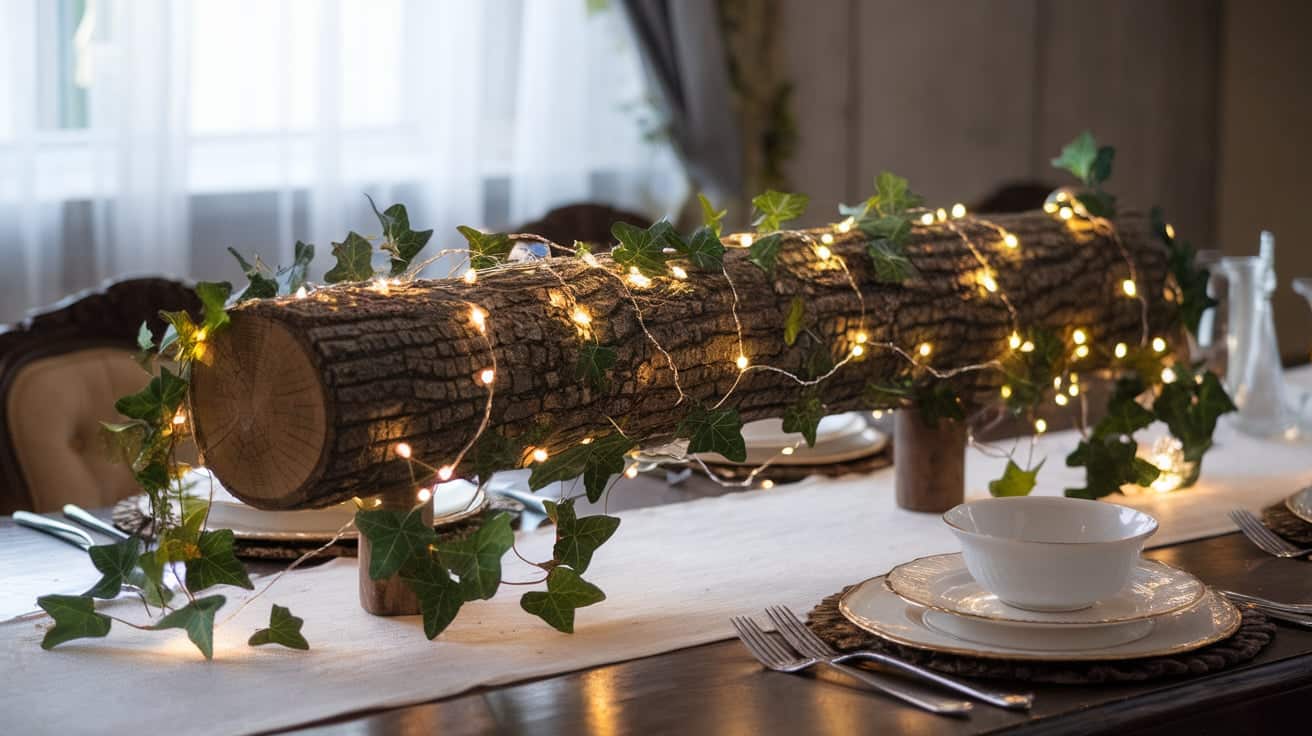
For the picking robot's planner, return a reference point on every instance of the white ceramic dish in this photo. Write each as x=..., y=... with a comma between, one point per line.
x=876, y=609
x=1036, y=638
x=942, y=582
x=1045, y=553
x=452, y=502
x=839, y=438
x=1300, y=504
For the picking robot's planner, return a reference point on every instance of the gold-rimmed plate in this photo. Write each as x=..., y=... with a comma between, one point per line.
x=876, y=609
x=942, y=583
x=1300, y=504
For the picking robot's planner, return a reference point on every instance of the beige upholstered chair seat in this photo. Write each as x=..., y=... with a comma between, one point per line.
x=54, y=411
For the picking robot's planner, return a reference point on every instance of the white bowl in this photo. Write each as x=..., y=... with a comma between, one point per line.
x=1044, y=553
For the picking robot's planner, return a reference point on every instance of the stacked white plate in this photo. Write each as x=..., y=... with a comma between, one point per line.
x=452, y=502
x=838, y=439
x=1300, y=504
x=933, y=603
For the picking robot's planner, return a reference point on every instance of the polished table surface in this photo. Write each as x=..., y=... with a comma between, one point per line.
x=719, y=688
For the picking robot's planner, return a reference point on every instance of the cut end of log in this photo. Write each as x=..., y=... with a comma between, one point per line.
x=260, y=412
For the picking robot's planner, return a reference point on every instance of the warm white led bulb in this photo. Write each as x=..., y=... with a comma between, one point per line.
x=958, y=210
x=445, y=472
x=927, y=218
x=470, y=276
x=745, y=240
x=478, y=317
x=403, y=450
x=846, y=225
x=861, y=338
x=741, y=362
x=1170, y=231
x=678, y=272
x=924, y=349
x=1079, y=336
x=822, y=252
x=1065, y=213
x=301, y=293
x=1005, y=391
x=631, y=471
x=487, y=376
x=827, y=239
x=539, y=455
x=581, y=316
x=857, y=351
x=1082, y=351
x=1013, y=341
x=1129, y=288
x=988, y=282
x=1168, y=375
x=1159, y=345
x=787, y=451
x=1121, y=350
x=1027, y=347
x=424, y=495
x=767, y=484
x=1011, y=241
x=1060, y=399
x=1040, y=426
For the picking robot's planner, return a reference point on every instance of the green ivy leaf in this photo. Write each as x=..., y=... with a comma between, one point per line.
x=152, y=584
x=1097, y=203
x=486, y=249
x=259, y=286
x=197, y=619
x=719, y=430
x=577, y=539
x=1080, y=156
x=440, y=597
x=394, y=536
x=892, y=228
x=710, y=218
x=794, y=323
x=641, y=249
x=354, y=260
x=1192, y=279
x=1109, y=464
x=398, y=239
x=1125, y=415
x=293, y=277
x=596, y=461
x=476, y=560
x=1190, y=411
x=804, y=417
x=764, y=252
x=938, y=401
x=75, y=618
x=217, y=564
x=704, y=249
x=157, y=402
x=893, y=195
x=1015, y=481
x=284, y=629
x=115, y=563
x=890, y=262
x=1030, y=374
x=566, y=592
x=154, y=477
x=594, y=361
x=213, y=299
x=773, y=209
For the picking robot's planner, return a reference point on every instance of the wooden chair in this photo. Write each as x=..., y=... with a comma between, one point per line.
x=61, y=371
x=589, y=223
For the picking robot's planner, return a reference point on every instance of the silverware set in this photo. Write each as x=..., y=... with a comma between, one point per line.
x=801, y=649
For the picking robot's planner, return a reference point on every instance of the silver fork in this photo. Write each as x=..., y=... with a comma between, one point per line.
x=809, y=644
x=778, y=657
x=1264, y=538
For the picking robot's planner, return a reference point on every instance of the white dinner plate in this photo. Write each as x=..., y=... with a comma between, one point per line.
x=454, y=501
x=1036, y=637
x=839, y=438
x=876, y=609
x=1300, y=504
x=943, y=583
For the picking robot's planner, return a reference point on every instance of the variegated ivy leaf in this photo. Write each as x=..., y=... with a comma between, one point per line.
x=773, y=209
x=715, y=430
x=486, y=249
x=890, y=263
x=1086, y=160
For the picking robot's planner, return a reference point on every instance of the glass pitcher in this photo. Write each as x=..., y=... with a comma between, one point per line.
x=1254, y=375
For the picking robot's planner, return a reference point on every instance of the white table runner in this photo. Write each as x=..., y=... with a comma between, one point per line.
x=673, y=575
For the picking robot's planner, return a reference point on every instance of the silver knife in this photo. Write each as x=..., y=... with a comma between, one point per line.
x=81, y=516
x=57, y=529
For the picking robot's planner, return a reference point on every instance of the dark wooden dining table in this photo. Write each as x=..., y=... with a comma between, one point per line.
x=719, y=688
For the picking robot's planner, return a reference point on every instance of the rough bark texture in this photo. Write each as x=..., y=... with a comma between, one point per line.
x=348, y=372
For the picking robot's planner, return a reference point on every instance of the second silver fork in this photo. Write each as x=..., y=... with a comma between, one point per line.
x=809, y=644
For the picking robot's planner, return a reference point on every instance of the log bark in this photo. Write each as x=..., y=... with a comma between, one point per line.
x=302, y=401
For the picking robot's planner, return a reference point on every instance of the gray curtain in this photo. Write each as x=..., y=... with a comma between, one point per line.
x=683, y=46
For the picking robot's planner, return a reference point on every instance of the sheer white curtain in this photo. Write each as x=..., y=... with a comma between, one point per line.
x=147, y=136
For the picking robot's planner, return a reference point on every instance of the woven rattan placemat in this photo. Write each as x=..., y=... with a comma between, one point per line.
x=1254, y=633
x=793, y=473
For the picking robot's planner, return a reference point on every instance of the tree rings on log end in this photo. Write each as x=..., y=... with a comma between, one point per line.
x=260, y=412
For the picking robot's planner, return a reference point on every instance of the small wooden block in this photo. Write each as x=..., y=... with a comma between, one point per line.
x=929, y=463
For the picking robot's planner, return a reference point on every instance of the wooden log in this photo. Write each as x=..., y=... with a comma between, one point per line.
x=929, y=462
x=302, y=401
